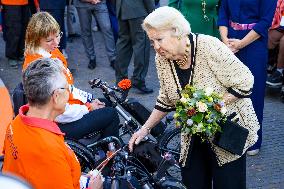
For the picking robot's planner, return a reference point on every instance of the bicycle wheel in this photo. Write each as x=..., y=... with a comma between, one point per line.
x=84, y=155
x=170, y=142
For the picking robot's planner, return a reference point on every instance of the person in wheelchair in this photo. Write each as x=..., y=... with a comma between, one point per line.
x=82, y=115
x=34, y=146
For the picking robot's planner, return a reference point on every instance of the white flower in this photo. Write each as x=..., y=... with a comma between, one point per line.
x=183, y=100
x=199, y=127
x=189, y=122
x=202, y=107
x=223, y=110
x=208, y=91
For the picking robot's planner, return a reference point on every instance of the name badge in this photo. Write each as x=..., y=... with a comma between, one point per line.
x=282, y=21
x=81, y=95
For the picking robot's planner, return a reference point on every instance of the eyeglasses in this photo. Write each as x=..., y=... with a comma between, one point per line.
x=61, y=88
x=58, y=37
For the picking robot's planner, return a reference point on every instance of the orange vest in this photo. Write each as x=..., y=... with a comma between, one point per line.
x=14, y=2
x=54, y=54
x=34, y=149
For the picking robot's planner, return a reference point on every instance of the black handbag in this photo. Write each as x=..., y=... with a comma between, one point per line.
x=233, y=137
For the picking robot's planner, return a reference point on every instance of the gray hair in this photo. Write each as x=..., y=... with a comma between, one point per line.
x=41, y=78
x=167, y=18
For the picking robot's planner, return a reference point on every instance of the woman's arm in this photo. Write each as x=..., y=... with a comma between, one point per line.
x=267, y=9
x=224, y=34
x=155, y=117
x=237, y=44
x=228, y=69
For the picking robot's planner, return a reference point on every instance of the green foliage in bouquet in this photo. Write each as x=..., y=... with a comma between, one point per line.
x=199, y=111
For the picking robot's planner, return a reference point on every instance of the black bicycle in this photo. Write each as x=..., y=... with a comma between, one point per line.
x=168, y=139
x=128, y=170
x=135, y=115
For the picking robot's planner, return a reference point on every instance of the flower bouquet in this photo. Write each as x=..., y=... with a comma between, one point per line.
x=199, y=111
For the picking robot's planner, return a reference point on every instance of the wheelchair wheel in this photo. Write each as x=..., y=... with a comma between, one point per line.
x=170, y=142
x=84, y=155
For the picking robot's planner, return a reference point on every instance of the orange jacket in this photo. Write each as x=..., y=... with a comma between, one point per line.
x=54, y=54
x=14, y=2
x=34, y=149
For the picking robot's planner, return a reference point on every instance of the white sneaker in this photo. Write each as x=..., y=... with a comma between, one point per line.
x=64, y=53
x=253, y=152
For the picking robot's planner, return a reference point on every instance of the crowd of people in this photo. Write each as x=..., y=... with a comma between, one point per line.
x=223, y=44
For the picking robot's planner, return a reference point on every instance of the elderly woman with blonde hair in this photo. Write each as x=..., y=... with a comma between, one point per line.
x=185, y=58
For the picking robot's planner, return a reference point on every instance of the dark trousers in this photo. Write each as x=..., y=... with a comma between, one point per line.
x=132, y=40
x=105, y=120
x=113, y=19
x=202, y=169
x=16, y=19
x=58, y=15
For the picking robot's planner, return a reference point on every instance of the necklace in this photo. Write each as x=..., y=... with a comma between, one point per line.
x=203, y=4
x=183, y=61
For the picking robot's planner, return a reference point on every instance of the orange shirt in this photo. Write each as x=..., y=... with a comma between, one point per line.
x=14, y=2
x=34, y=149
x=55, y=54
x=279, y=13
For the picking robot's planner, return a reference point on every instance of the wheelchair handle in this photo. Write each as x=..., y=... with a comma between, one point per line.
x=109, y=91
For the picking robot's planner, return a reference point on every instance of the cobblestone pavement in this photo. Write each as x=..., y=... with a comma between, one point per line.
x=266, y=170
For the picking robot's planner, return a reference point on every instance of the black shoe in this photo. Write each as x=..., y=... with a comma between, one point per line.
x=143, y=89
x=92, y=64
x=275, y=79
x=112, y=64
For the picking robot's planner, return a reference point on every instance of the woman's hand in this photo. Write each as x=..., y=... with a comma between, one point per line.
x=96, y=104
x=235, y=45
x=95, y=2
x=229, y=98
x=96, y=182
x=137, y=137
x=225, y=40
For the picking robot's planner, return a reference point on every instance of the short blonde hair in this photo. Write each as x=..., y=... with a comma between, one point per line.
x=167, y=18
x=41, y=25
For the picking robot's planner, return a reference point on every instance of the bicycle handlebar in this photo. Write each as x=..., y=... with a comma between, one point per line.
x=109, y=91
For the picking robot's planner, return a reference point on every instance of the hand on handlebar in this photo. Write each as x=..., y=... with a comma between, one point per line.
x=96, y=182
x=137, y=137
x=96, y=104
